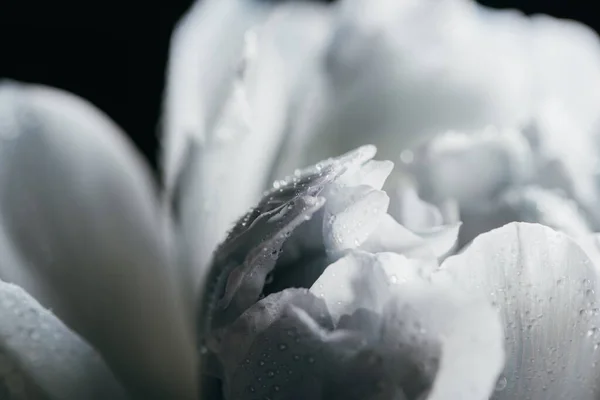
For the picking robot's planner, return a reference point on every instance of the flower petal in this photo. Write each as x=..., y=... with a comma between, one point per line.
x=525, y=204
x=412, y=212
x=345, y=288
x=390, y=236
x=351, y=215
x=220, y=120
x=472, y=168
x=273, y=348
x=78, y=208
x=545, y=288
x=206, y=49
x=246, y=281
x=404, y=71
x=251, y=252
x=419, y=334
x=38, y=351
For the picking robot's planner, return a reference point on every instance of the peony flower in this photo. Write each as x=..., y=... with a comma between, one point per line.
x=468, y=271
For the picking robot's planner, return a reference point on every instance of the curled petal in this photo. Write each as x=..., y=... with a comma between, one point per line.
x=344, y=288
x=251, y=252
x=40, y=357
x=245, y=282
x=78, y=208
x=390, y=236
x=545, y=288
x=412, y=212
x=351, y=216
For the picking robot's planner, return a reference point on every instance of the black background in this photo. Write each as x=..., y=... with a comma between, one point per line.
x=115, y=57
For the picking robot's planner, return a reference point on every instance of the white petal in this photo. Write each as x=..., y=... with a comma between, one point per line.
x=545, y=288
x=525, y=204
x=390, y=236
x=418, y=334
x=79, y=210
x=412, y=212
x=563, y=48
x=448, y=331
x=397, y=73
x=351, y=283
x=351, y=215
x=237, y=150
x=37, y=347
x=473, y=168
x=205, y=54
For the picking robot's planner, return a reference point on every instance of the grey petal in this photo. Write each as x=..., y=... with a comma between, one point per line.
x=525, y=204
x=41, y=357
x=78, y=209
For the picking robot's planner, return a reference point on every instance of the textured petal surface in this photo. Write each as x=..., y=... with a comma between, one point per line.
x=40, y=358
x=545, y=288
x=79, y=210
x=251, y=252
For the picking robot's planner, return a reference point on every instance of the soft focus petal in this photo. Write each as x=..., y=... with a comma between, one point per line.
x=238, y=120
x=404, y=71
x=472, y=168
x=79, y=209
x=412, y=212
x=206, y=50
x=40, y=358
x=525, y=204
x=566, y=60
x=545, y=288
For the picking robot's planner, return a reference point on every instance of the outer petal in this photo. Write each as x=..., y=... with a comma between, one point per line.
x=545, y=288
x=79, y=210
x=40, y=357
x=207, y=48
x=401, y=72
x=227, y=162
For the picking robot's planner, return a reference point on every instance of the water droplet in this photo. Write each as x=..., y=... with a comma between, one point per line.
x=282, y=347
x=271, y=374
x=501, y=384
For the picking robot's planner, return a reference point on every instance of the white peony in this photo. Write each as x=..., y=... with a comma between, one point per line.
x=350, y=279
